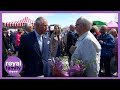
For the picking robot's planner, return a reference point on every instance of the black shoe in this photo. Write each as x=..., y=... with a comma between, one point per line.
x=14, y=52
x=101, y=74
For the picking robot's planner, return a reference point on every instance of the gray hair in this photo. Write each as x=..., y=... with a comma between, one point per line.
x=27, y=25
x=40, y=20
x=85, y=22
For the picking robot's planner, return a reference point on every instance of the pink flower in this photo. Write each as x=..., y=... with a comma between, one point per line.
x=77, y=69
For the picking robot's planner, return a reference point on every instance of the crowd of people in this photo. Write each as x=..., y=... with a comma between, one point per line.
x=37, y=46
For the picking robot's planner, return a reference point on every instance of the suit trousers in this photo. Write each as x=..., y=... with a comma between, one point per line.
x=105, y=61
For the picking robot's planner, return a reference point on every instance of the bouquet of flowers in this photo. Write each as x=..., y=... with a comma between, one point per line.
x=59, y=68
x=77, y=68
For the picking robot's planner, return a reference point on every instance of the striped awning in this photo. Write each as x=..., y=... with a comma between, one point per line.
x=21, y=22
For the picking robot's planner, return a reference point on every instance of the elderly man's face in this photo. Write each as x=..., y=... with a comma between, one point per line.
x=42, y=28
x=103, y=29
x=30, y=29
x=78, y=27
x=114, y=33
x=72, y=28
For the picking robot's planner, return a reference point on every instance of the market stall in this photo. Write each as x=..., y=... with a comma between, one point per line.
x=19, y=23
x=112, y=24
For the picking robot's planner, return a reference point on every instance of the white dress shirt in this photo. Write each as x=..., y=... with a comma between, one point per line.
x=88, y=49
x=40, y=41
x=27, y=32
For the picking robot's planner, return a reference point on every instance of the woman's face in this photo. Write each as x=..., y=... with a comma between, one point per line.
x=56, y=30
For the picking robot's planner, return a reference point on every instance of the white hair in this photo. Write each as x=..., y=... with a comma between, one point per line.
x=39, y=20
x=86, y=22
x=27, y=25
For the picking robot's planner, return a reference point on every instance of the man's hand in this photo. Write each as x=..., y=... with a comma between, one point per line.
x=100, y=41
x=10, y=53
x=72, y=49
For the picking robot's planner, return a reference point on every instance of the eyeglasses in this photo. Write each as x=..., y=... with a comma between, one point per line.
x=77, y=25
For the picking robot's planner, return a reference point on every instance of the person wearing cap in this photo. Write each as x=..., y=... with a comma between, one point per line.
x=35, y=51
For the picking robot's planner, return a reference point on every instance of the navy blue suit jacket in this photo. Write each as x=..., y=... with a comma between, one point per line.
x=35, y=61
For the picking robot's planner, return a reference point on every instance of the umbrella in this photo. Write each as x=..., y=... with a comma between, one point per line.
x=99, y=23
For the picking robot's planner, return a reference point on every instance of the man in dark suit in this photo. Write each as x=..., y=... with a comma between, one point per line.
x=28, y=28
x=35, y=51
x=5, y=49
x=71, y=40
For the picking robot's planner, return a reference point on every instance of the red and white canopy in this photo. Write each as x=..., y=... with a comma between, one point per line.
x=19, y=23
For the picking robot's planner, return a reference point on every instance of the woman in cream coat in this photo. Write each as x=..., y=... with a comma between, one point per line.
x=56, y=42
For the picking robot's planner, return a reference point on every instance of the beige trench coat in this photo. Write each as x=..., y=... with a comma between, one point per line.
x=54, y=44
